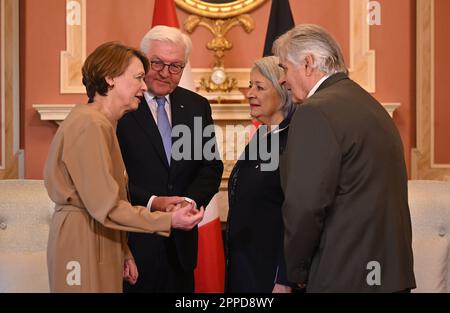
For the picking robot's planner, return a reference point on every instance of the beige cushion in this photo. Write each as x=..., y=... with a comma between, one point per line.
x=429, y=202
x=25, y=214
x=23, y=272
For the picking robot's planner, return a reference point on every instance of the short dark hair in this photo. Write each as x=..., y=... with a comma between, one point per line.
x=109, y=59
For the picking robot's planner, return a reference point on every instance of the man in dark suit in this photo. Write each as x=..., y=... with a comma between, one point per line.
x=160, y=177
x=346, y=214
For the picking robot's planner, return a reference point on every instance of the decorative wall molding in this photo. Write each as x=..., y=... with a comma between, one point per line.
x=9, y=102
x=220, y=112
x=362, y=58
x=230, y=111
x=73, y=57
x=3, y=74
x=361, y=63
x=391, y=107
x=53, y=112
x=423, y=161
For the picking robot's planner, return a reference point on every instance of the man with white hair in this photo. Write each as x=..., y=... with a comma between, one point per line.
x=346, y=214
x=158, y=178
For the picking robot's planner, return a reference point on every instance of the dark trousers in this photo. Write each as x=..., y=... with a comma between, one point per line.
x=403, y=291
x=158, y=266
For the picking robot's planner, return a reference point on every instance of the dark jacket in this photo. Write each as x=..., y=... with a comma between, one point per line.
x=149, y=174
x=346, y=214
x=255, y=258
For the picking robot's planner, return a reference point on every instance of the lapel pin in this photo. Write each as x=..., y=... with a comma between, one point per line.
x=182, y=106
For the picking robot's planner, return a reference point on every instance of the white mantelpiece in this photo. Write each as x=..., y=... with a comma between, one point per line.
x=222, y=111
x=391, y=107
x=53, y=112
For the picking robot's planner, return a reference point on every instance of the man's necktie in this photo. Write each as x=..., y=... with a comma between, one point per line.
x=164, y=126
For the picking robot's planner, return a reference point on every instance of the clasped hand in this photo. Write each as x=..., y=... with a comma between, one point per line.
x=170, y=203
x=185, y=214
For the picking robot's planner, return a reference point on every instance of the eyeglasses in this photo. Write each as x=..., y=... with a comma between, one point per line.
x=174, y=68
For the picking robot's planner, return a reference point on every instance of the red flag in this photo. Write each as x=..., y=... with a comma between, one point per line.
x=210, y=271
x=164, y=14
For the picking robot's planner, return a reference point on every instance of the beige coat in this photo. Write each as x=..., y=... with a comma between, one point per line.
x=86, y=178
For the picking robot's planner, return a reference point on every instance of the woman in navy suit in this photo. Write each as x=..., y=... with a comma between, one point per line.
x=255, y=256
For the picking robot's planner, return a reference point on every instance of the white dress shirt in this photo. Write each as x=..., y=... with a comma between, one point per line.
x=316, y=86
x=150, y=98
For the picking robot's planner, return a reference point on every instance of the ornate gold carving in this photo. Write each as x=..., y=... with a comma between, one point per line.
x=219, y=28
x=228, y=85
x=219, y=44
x=227, y=9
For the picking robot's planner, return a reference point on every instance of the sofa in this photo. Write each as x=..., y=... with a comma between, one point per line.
x=429, y=203
x=26, y=210
x=25, y=214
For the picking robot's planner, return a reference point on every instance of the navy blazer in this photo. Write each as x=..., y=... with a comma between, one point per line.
x=255, y=257
x=150, y=174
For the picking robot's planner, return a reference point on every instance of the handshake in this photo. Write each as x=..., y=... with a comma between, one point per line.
x=185, y=214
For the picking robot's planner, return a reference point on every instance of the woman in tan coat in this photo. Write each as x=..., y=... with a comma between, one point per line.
x=86, y=178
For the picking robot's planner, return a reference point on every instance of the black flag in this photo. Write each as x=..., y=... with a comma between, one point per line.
x=280, y=21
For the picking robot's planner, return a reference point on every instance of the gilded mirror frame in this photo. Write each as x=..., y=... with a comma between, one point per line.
x=227, y=9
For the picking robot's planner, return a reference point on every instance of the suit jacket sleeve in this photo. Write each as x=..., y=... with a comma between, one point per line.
x=138, y=195
x=206, y=183
x=88, y=160
x=309, y=179
x=281, y=272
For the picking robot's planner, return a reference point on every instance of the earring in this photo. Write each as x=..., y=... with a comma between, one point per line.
x=111, y=84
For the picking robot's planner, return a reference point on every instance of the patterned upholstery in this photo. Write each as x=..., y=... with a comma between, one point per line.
x=429, y=202
x=25, y=213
